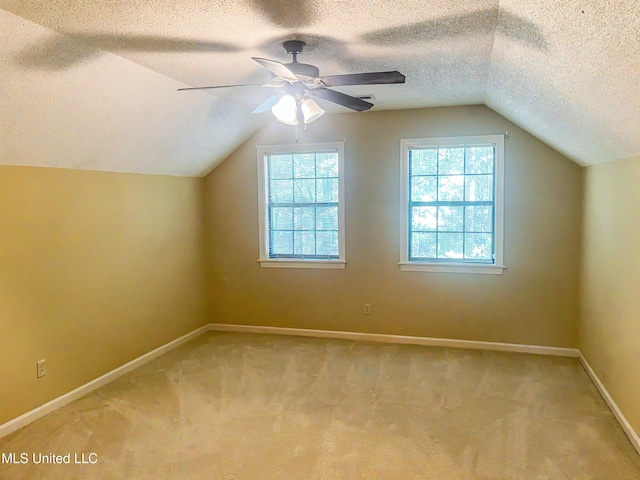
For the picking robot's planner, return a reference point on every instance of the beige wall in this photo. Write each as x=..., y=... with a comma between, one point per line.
x=610, y=319
x=535, y=301
x=95, y=270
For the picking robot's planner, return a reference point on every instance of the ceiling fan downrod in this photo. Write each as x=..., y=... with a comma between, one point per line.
x=294, y=48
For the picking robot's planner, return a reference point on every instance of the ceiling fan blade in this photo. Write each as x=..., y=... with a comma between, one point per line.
x=341, y=99
x=372, y=78
x=267, y=104
x=230, y=86
x=277, y=68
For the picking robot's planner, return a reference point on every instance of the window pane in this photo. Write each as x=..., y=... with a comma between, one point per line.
x=304, y=165
x=450, y=160
x=450, y=219
x=327, y=243
x=327, y=218
x=326, y=165
x=281, y=191
x=423, y=161
x=304, y=218
x=423, y=245
x=478, y=188
x=478, y=246
x=423, y=189
x=450, y=245
x=479, y=160
x=304, y=191
x=450, y=188
x=280, y=166
x=423, y=219
x=302, y=208
x=478, y=219
x=304, y=243
x=281, y=243
x=281, y=218
x=327, y=190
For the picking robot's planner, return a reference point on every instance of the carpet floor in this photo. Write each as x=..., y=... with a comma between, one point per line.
x=237, y=406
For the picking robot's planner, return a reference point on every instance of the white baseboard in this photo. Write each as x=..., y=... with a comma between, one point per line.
x=622, y=420
x=383, y=338
x=23, y=420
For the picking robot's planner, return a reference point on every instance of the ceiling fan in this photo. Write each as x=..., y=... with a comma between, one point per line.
x=299, y=82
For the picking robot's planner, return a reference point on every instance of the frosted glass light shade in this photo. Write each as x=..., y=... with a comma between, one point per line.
x=310, y=110
x=286, y=110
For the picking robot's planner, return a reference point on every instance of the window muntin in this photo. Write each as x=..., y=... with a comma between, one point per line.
x=452, y=208
x=302, y=214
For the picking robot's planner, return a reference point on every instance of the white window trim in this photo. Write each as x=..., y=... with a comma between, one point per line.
x=495, y=268
x=265, y=261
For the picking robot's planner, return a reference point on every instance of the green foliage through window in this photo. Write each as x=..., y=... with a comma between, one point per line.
x=451, y=203
x=302, y=205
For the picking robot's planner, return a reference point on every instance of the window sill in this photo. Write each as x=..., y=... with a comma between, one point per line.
x=452, y=268
x=317, y=264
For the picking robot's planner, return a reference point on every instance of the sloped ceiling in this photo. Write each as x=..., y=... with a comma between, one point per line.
x=92, y=85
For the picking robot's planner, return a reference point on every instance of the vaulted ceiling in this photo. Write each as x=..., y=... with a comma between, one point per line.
x=92, y=85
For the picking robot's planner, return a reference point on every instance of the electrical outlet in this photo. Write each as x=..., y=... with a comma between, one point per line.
x=367, y=309
x=41, y=368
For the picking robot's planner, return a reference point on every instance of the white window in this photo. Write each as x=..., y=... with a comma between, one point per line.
x=301, y=202
x=452, y=204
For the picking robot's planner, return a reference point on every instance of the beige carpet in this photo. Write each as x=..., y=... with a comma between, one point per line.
x=235, y=406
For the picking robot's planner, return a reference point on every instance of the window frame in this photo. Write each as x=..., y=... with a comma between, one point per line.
x=263, y=151
x=453, y=266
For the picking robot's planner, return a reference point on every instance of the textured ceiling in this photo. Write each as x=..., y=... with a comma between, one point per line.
x=88, y=84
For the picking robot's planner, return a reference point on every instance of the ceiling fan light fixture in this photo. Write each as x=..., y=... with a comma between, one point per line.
x=311, y=111
x=286, y=110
